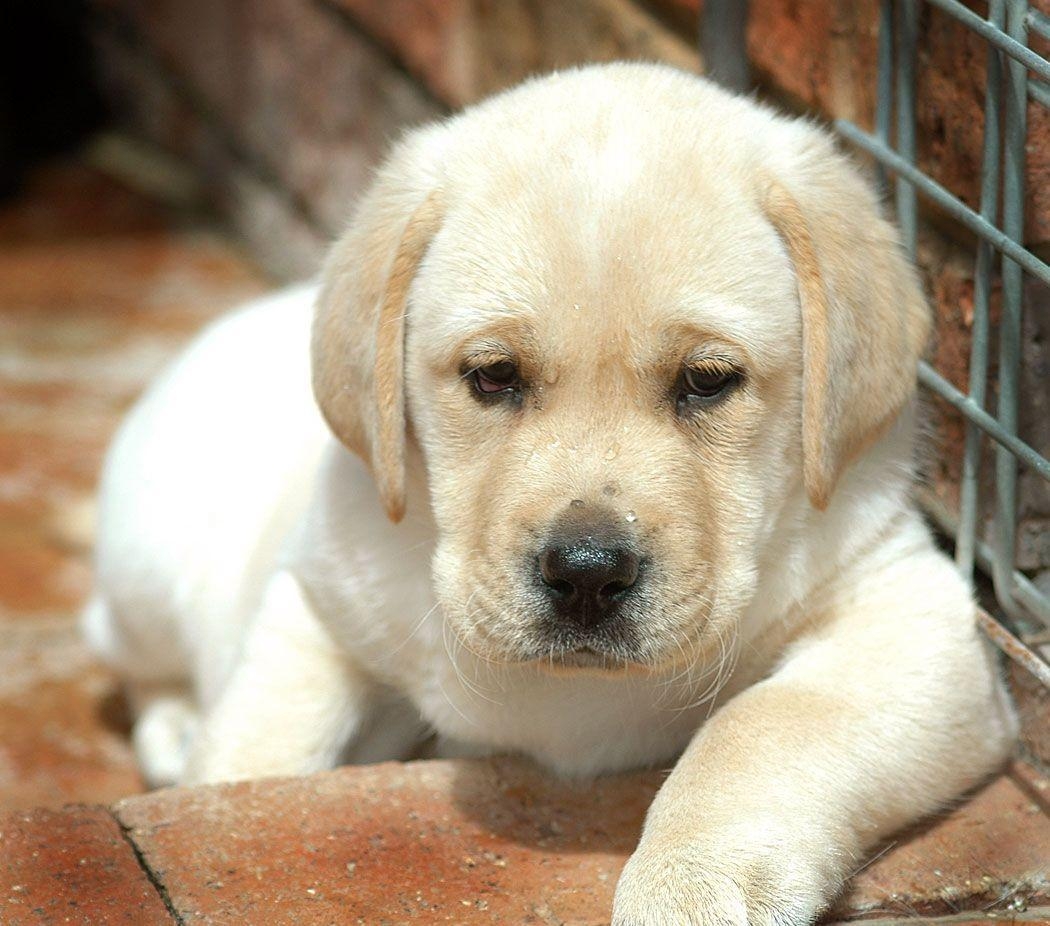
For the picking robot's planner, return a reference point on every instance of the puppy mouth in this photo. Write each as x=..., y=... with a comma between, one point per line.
x=584, y=658
x=531, y=634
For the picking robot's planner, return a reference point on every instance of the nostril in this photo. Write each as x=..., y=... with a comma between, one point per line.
x=622, y=575
x=613, y=589
x=552, y=573
x=563, y=588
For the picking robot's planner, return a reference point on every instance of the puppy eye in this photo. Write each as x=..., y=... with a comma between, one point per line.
x=496, y=378
x=698, y=387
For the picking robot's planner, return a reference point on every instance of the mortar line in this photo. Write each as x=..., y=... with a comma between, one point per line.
x=151, y=876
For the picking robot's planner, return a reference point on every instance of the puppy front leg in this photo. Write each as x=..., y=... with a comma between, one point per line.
x=876, y=719
x=292, y=703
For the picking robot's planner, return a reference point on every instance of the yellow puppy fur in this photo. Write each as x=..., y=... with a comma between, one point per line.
x=620, y=371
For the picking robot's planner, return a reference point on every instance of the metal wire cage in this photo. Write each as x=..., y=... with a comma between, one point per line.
x=998, y=225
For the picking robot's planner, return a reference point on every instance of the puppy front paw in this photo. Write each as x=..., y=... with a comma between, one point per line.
x=727, y=884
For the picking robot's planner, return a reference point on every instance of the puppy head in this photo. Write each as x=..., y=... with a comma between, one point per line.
x=626, y=318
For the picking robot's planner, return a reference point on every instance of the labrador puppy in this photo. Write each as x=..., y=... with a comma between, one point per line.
x=621, y=370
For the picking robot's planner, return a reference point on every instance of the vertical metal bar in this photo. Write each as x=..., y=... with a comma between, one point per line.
x=1039, y=23
x=723, y=43
x=966, y=537
x=884, y=99
x=907, y=16
x=1015, y=131
x=1039, y=90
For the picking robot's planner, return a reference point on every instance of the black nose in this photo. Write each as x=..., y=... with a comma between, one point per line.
x=586, y=579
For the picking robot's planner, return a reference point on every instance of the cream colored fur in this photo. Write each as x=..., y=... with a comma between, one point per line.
x=803, y=647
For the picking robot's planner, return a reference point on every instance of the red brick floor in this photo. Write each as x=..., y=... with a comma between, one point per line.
x=98, y=287
x=465, y=842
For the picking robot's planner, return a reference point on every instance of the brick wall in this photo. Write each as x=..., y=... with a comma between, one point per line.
x=283, y=106
x=306, y=93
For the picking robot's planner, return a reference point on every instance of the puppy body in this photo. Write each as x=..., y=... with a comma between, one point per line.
x=790, y=625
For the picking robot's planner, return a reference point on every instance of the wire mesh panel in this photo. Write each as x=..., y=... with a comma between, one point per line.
x=998, y=225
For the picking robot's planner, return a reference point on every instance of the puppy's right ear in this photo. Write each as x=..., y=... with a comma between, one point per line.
x=359, y=325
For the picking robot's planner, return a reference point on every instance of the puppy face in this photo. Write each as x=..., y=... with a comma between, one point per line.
x=605, y=384
x=607, y=326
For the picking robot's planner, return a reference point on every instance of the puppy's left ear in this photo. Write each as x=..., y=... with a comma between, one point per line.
x=864, y=318
x=358, y=347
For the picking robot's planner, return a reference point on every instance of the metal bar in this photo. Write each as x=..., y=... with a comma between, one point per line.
x=1013, y=647
x=884, y=99
x=1039, y=91
x=971, y=467
x=1015, y=130
x=1039, y=23
x=723, y=43
x=1025, y=590
x=1005, y=42
x=907, y=16
x=944, y=199
x=1028, y=595
x=1024, y=452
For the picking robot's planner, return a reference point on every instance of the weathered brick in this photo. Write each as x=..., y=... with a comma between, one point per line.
x=308, y=99
x=467, y=49
x=285, y=88
x=1028, y=916
x=1033, y=535
x=73, y=199
x=98, y=289
x=950, y=112
x=288, y=109
x=289, y=244
x=823, y=56
x=1033, y=710
x=948, y=277
x=434, y=38
x=460, y=842
x=73, y=867
x=991, y=853
x=203, y=43
x=63, y=728
x=950, y=282
x=500, y=842
x=90, y=313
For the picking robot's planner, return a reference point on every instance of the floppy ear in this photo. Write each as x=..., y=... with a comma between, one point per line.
x=864, y=318
x=359, y=326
